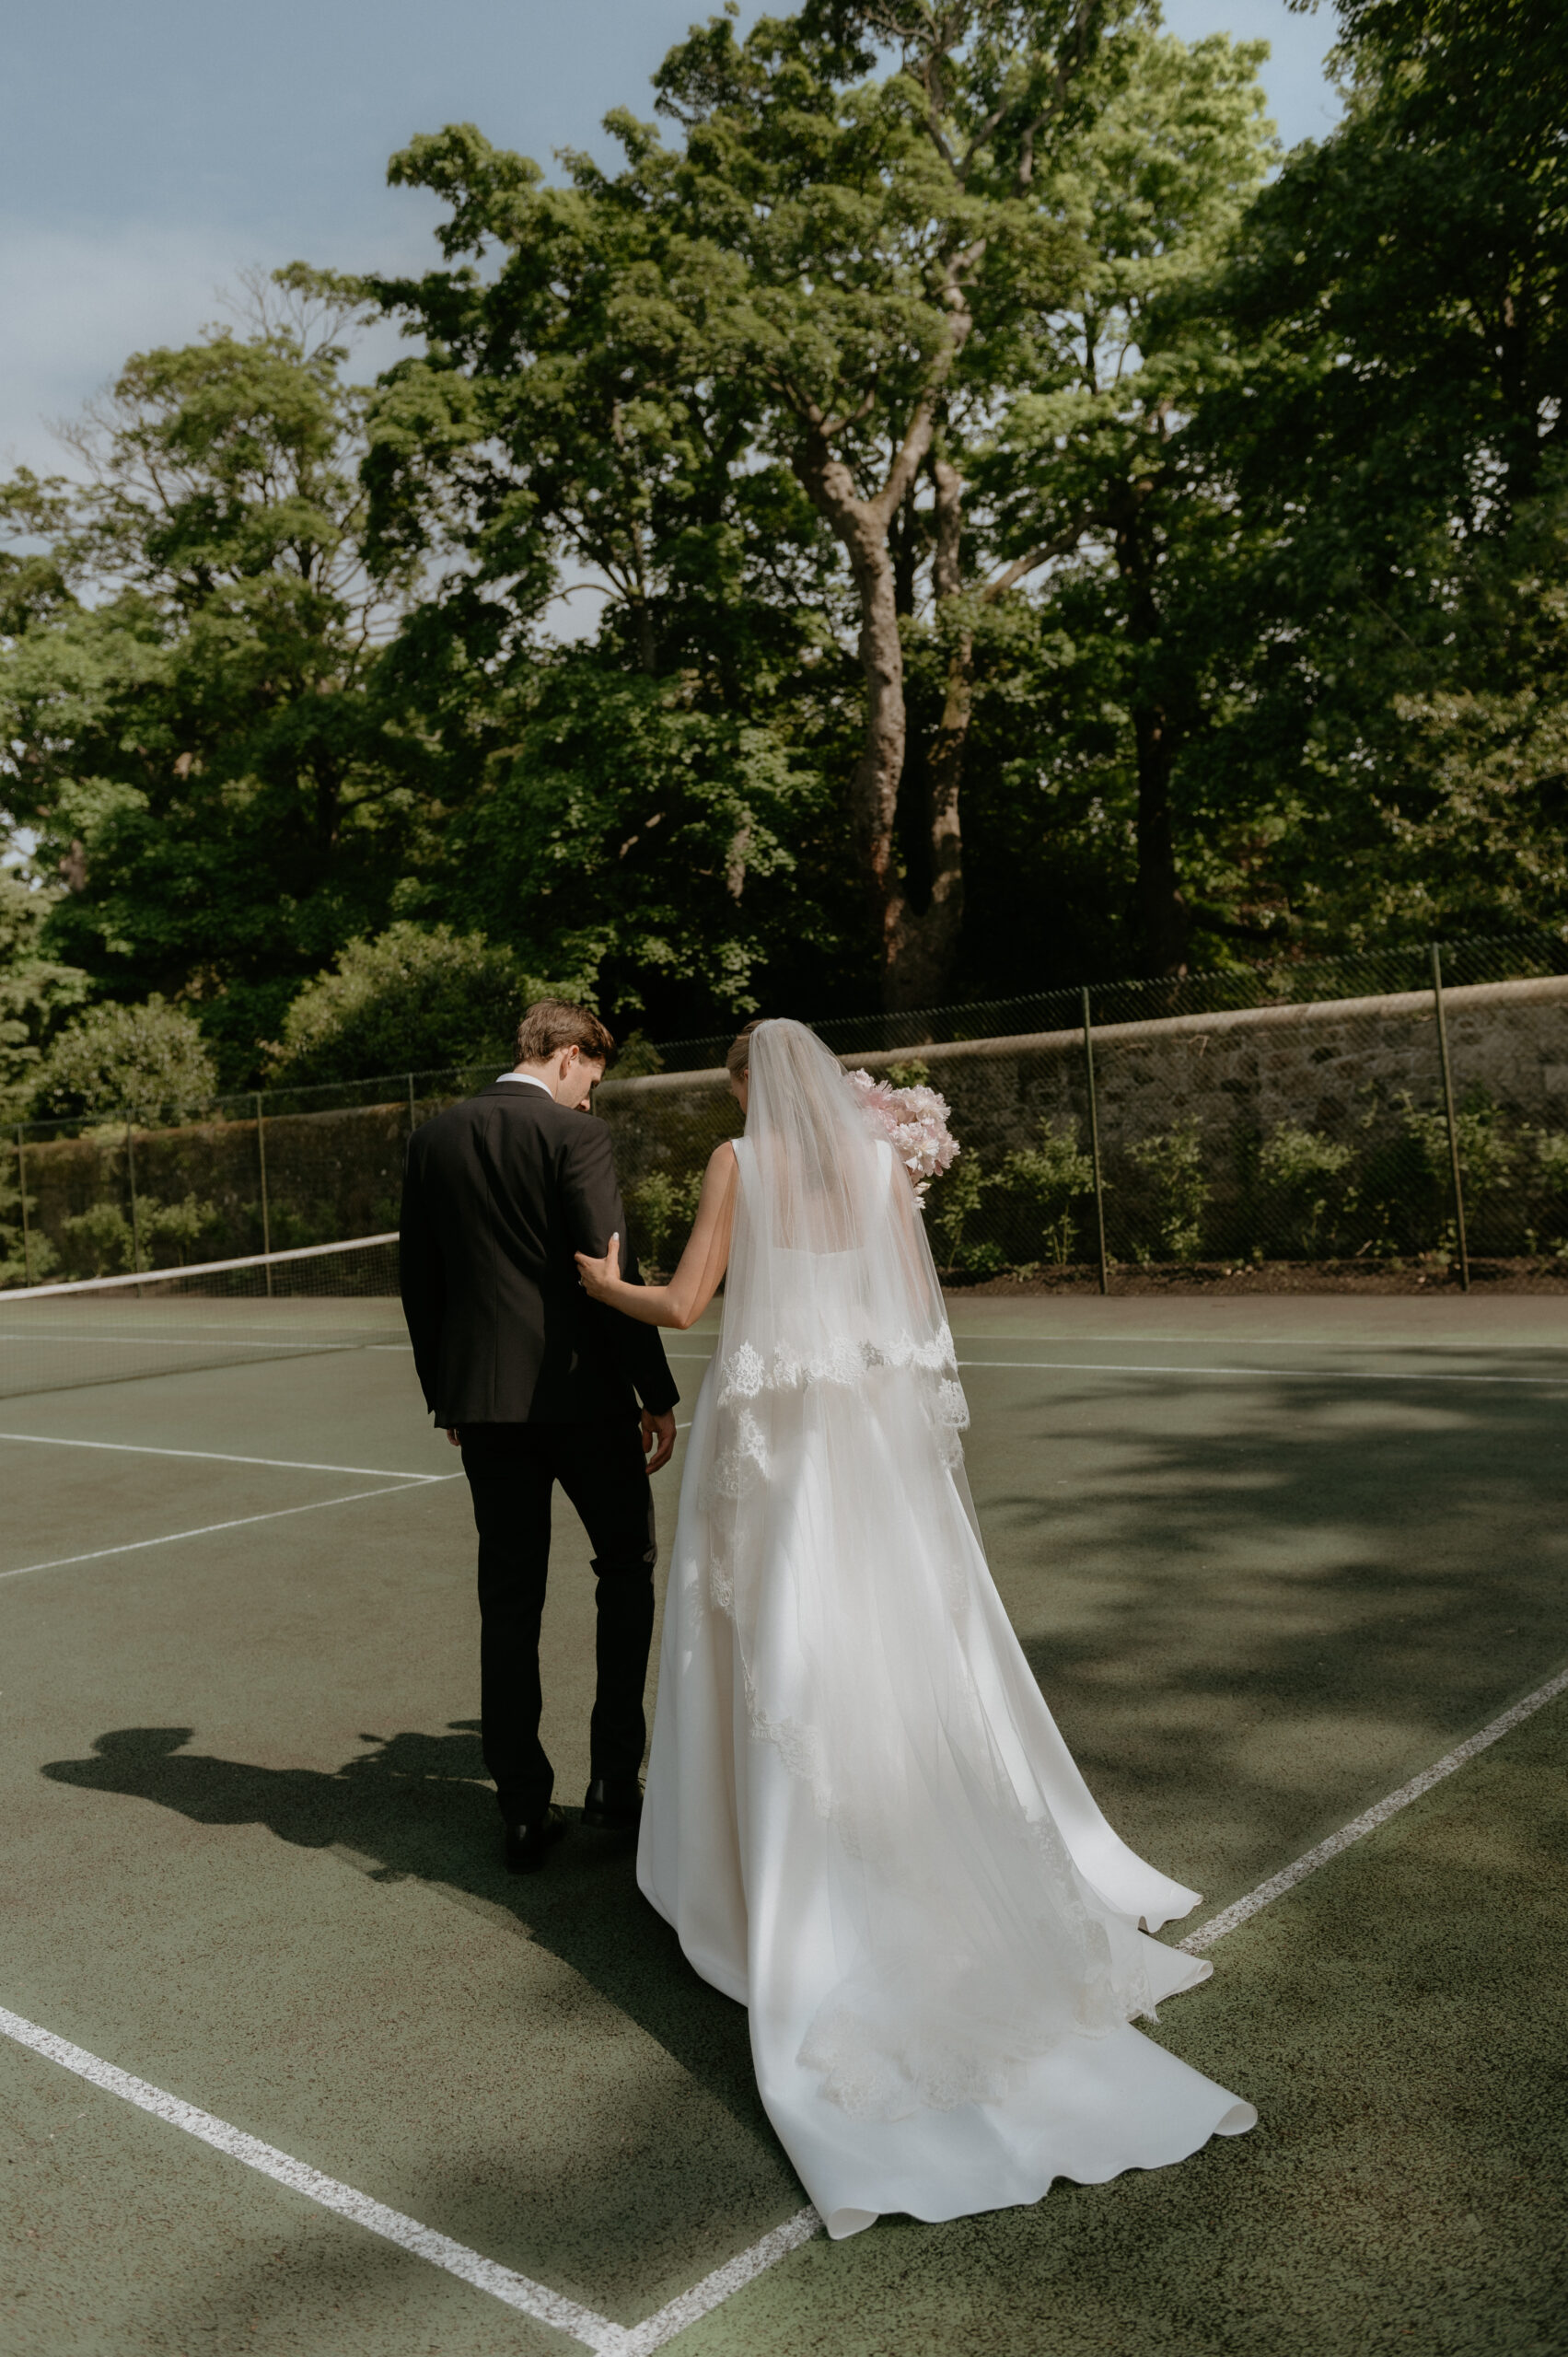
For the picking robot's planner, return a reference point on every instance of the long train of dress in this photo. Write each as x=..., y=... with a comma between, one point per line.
x=740, y=1856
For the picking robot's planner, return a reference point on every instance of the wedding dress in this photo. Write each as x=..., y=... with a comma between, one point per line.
x=860, y=1819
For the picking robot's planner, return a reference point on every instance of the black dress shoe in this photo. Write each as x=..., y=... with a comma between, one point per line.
x=529, y=1844
x=613, y=1804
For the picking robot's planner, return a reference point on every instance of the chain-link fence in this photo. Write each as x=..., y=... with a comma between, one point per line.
x=1407, y=1105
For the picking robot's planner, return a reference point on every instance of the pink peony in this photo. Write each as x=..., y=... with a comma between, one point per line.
x=913, y=1121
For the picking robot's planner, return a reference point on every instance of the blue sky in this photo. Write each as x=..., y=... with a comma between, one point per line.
x=151, y=148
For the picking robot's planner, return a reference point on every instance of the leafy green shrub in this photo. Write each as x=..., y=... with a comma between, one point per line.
x=1552, y=1162
x=25, y=1259
x=954, y=1200
x=148, y=1062
x=1301, y=1189
x=662, y=1209
x=914, y=1073
x=415, y=999
x=37, y=996
x=1549, y=1189
x=1172, y=1167
x=637, y=1057
x=99, y=1243
x=1406, y=1187
x=1045, y=1181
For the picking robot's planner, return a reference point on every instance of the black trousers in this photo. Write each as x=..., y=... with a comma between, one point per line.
x=512, y=1469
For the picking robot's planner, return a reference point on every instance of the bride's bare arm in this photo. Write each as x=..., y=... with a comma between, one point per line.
x=682, y=1301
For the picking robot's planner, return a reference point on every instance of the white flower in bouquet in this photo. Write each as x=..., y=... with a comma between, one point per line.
x=914, y=1123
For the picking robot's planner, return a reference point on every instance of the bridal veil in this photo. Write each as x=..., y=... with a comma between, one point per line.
x=898, y=1809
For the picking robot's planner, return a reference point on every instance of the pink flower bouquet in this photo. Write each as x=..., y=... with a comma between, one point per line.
x=913, y=1121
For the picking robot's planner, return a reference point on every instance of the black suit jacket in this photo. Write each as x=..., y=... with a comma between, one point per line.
x=498, y=1193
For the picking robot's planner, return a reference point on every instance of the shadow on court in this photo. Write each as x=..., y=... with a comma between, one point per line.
x=412, y=1808
x=1255, y=1607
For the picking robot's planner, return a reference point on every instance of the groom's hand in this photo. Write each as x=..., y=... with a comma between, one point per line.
x=658, y=1433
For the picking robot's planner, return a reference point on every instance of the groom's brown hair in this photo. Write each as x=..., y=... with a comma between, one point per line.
x=551, y=1024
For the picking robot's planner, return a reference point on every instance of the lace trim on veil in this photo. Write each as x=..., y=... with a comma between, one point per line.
x=747, y=1372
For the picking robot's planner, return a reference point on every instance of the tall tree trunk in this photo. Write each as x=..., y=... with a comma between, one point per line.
x=927, y=945
x=1165, y=921
x=861, y=525
x=864, y=527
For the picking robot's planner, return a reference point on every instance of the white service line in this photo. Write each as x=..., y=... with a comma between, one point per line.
x=516, y=2290
x=642, y=2339
x=1370, y=1819
x=169, y=1538
x=72, y=1338
x=1255, y=1373
x=537, y=2300
x=1267, y=1374
x=586, y=2325
x=221, y=1457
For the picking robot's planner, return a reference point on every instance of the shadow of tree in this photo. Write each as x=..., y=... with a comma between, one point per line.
x=1257, y=1609
x=412, y=1807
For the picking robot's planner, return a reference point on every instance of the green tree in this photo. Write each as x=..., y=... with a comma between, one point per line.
x=875, y=244
x=1399, y=445
x=1096, y=461
x=149, y=1063
x=415, y=998
x=37, y=993
x=623, y=810
x=191, y=729
x=736, y=381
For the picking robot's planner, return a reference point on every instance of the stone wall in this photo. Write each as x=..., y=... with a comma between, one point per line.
x=1356, y=1079
x=1351, y=1071
x=1310, y=1065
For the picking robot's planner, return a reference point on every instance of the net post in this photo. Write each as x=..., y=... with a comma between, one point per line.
x=1453, y=1120
x=27, y=1230
x=131, y=1176
x=1094, y=1140
x=262, y=1166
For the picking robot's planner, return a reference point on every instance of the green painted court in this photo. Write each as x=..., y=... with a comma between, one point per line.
x=1272, y=1560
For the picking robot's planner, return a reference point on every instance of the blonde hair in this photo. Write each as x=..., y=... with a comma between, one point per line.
x=739, y=1056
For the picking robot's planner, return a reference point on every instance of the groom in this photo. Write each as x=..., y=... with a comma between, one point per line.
x=536, y=1384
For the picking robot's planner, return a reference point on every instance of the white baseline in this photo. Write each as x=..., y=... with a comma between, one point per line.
x=223, y=1456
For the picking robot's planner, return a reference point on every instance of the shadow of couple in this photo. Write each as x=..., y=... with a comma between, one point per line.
x=413, y=1806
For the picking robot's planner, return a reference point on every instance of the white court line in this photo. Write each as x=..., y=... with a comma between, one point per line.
x=537, y=2300
x=1270, y=1374
x=1370, y=1819
x=1454, y=1348
x=169, y=1538
x=586, y=2325
x=516, y=2290
x=70, y=1337
x=1267, y=1373
x=220, y=1456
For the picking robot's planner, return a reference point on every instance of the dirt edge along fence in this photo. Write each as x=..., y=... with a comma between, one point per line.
x=1405, y=1108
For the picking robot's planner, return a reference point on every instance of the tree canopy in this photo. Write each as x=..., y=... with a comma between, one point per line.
x=1015, y=528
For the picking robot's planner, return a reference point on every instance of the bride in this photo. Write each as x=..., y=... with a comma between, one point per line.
x=860, y=1819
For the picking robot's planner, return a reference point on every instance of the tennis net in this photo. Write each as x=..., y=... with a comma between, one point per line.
x=220, y=1313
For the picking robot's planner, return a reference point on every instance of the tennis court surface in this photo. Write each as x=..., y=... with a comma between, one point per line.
x=290, y=2064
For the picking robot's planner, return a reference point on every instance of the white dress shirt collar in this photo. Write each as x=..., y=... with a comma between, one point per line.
x=525, y=1080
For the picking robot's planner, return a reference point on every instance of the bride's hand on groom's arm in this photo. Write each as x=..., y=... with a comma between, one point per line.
x=600, y=1279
